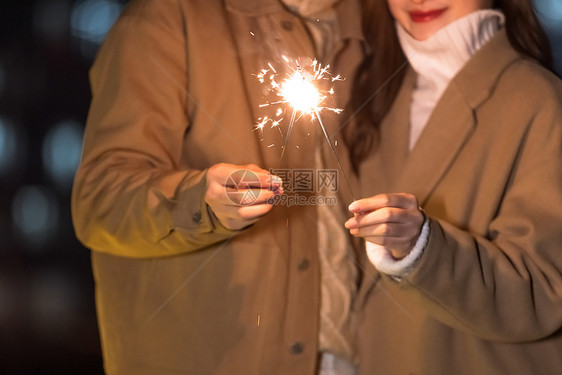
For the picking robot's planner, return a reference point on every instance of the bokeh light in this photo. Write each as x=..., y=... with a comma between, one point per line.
x=92, y=19
x=550, y=15
x=550, y=12
x=35, y=213
x=62, y=149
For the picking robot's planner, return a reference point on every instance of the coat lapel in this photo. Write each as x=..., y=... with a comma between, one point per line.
x=453, y=120
x=448, y=128
x=394, y=133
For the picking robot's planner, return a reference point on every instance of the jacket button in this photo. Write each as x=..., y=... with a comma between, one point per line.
x=196, y=217
x=287, y=25
x=296, y=348
x=303, y=264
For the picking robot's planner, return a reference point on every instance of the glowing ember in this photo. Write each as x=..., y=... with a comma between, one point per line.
x=298, y=90
x=301, y=94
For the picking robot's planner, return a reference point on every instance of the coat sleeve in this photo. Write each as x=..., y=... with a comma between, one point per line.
x=507, y=285
x=132, y=195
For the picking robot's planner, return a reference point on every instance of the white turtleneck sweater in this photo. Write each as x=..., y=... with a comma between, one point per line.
x=439, y=58
x=436, y=61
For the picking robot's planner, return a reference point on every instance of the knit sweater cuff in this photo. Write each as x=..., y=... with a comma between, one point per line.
x=385, y=263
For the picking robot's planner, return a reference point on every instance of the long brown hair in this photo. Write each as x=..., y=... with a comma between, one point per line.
x=380, y=76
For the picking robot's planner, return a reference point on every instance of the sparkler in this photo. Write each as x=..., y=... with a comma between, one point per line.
x=299, y=91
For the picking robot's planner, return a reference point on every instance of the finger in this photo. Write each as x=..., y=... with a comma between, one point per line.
x=245, y=178
x=265, y=178
x=222, y=195
x=399, y=200
x=392, y=235
x=219, y=172
x=268, y=179
x=379, y=216
x=247, y=197
x=254, y=212
x=241, y=216
x=385, y=215
x=249, y=175
x=383, y=230
x=254, y=168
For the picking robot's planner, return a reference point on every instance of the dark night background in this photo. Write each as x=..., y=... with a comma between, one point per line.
x=47, y=313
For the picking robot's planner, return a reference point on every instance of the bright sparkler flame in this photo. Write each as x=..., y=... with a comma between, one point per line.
x=298, y=89
x=301, y=94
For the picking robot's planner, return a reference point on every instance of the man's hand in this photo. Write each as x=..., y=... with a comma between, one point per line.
x=239, y=194
x=390, y=220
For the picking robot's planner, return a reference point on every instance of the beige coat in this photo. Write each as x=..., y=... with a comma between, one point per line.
x=174, y=92
x=487, y=295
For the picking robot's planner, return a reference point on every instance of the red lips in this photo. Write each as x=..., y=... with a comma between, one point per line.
x=419, y=16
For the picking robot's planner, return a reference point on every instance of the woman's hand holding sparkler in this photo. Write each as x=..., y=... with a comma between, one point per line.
x=390, y=220
x=239, y=194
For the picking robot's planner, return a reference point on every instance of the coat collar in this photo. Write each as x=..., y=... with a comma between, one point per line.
x=349, y=20
x=449, y=128
x=450, y=125
x=348, y=12
x=477, y=79
x=253, y=7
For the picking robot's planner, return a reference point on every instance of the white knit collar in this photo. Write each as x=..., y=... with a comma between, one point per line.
x=312, y=8
x=441, y=56
x=437, y=60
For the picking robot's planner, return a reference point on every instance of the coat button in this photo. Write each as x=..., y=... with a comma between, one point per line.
x=287, y=25
x=303, y=264
x=296, y=348
x=196, y=217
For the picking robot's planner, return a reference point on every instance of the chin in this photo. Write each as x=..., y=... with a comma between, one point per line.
x=424, y=34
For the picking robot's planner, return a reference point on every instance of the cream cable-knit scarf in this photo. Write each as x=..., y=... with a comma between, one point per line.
x=338, y=271
x=310, y=8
